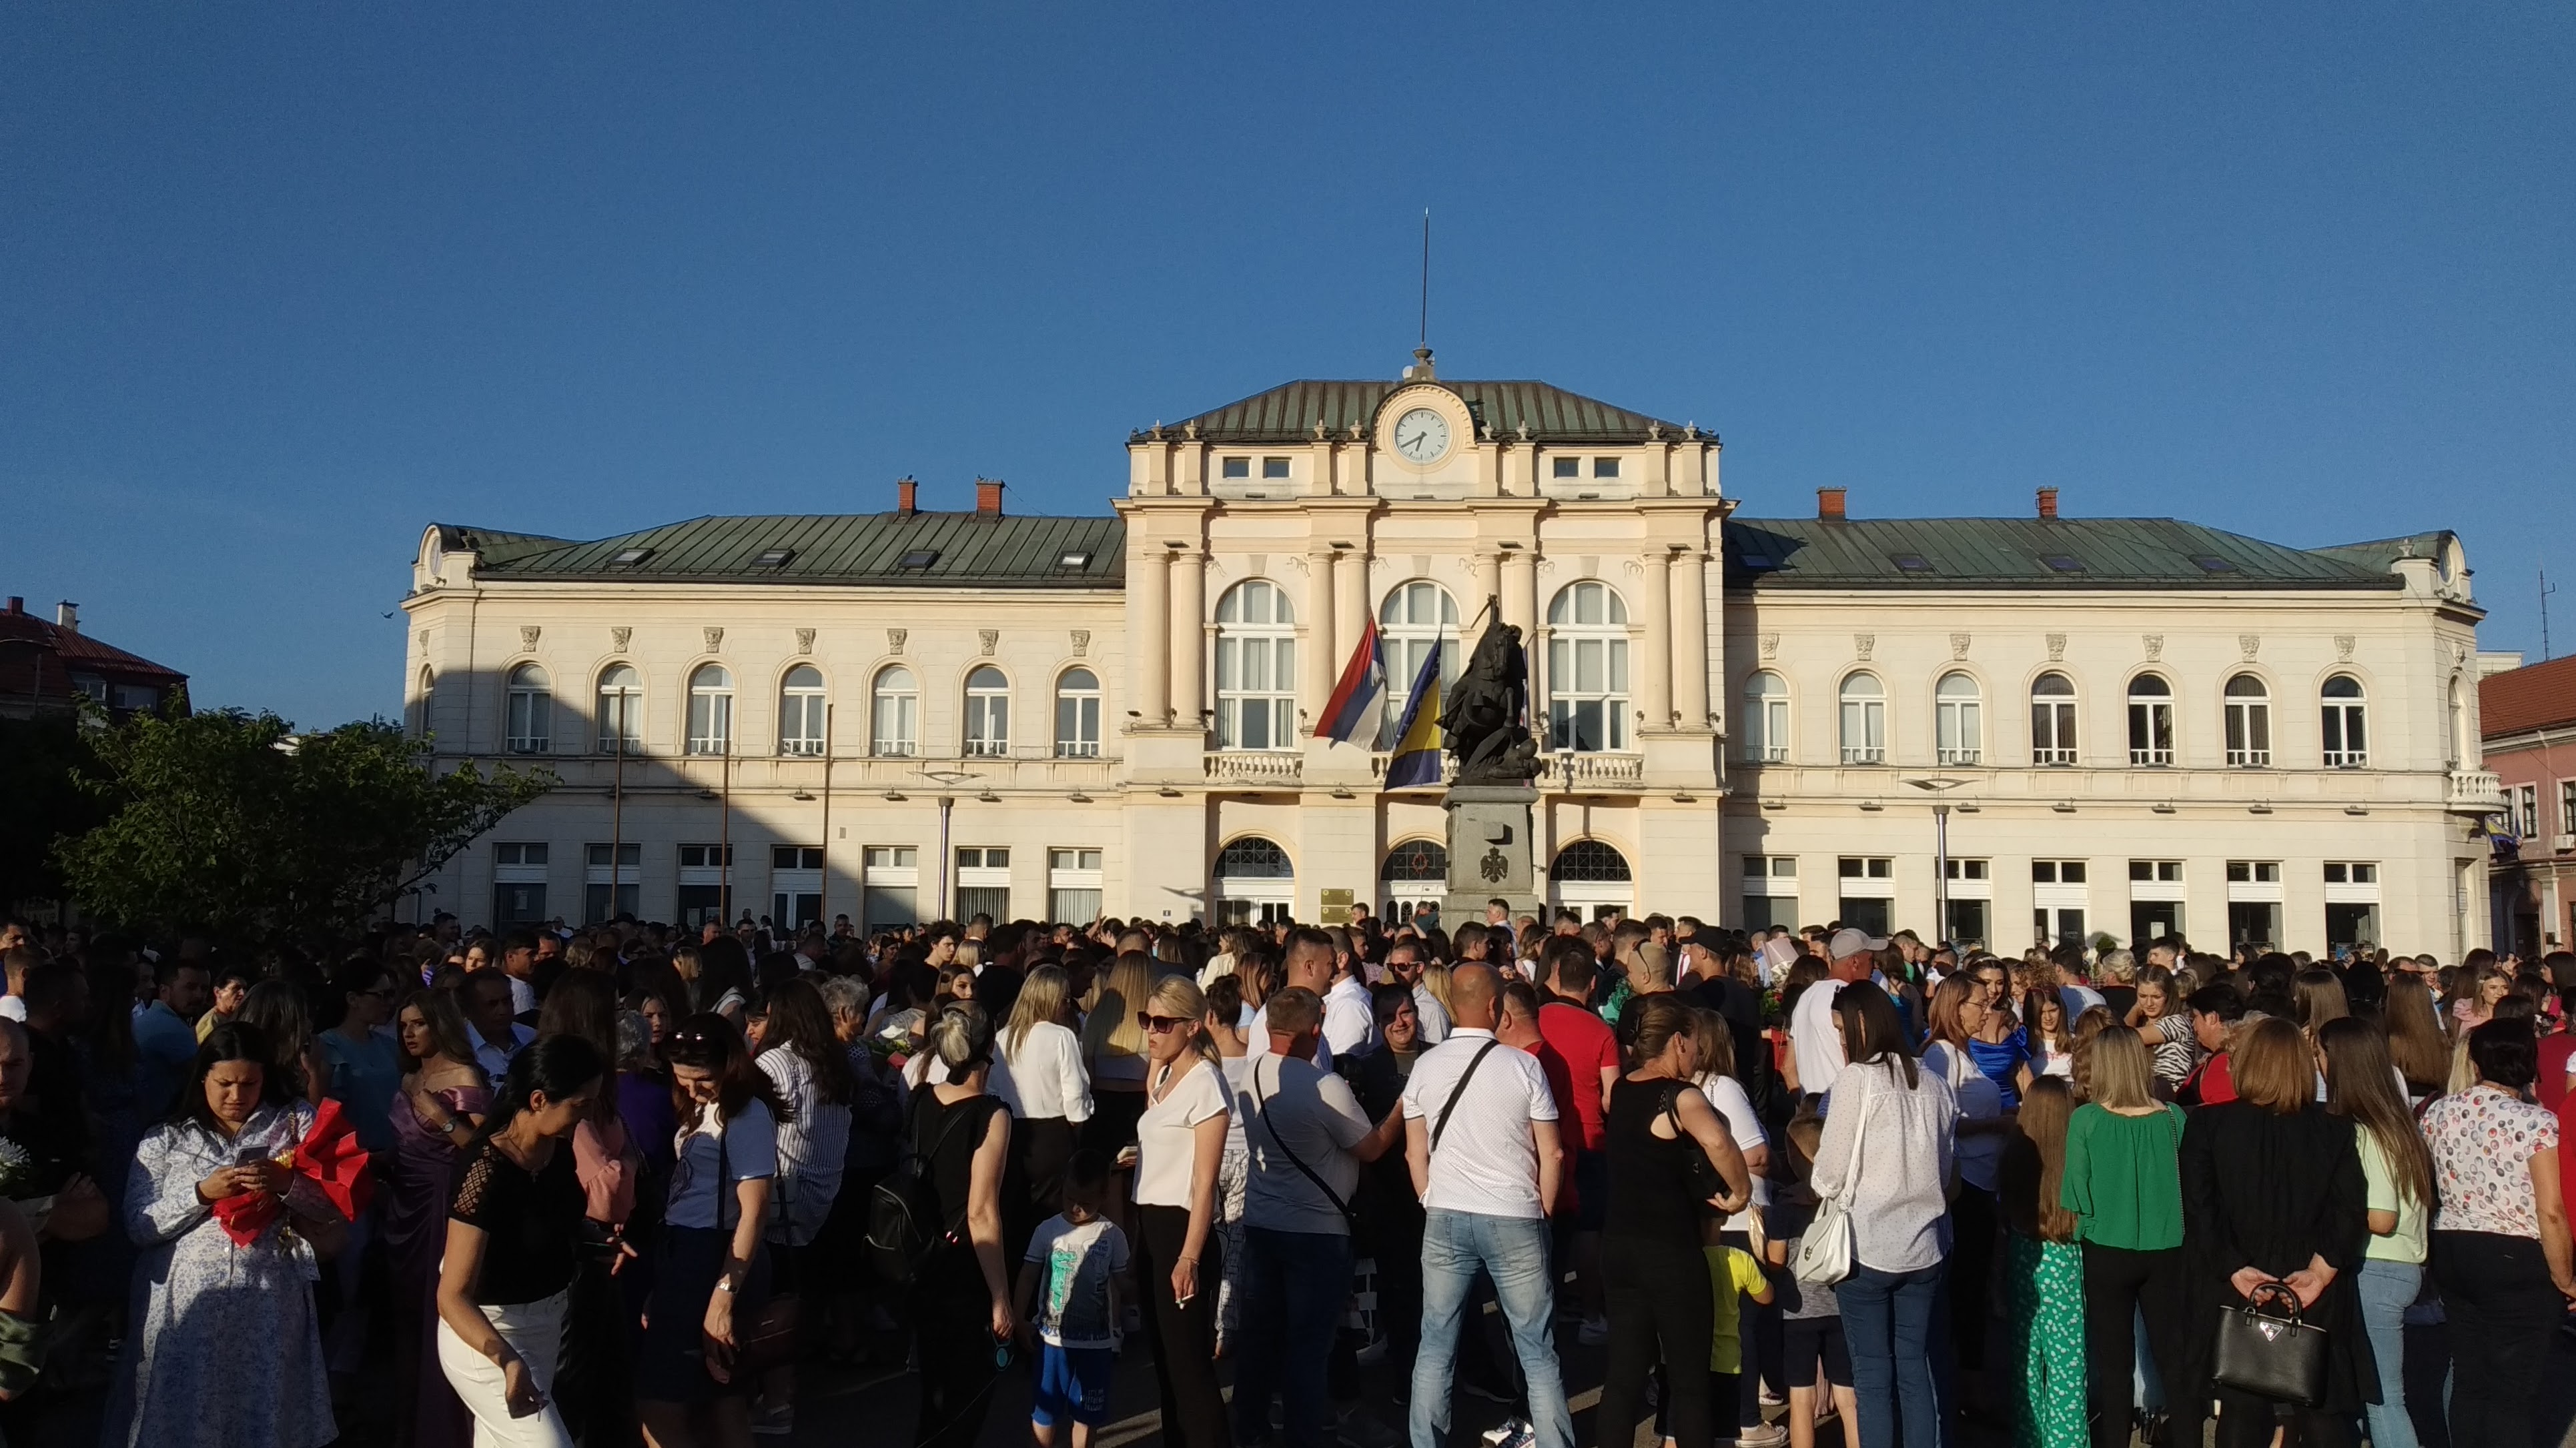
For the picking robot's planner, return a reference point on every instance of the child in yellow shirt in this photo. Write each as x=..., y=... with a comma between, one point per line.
x=1732, y=1275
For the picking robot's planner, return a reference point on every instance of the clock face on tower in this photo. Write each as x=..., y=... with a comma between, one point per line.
x=1421, y=436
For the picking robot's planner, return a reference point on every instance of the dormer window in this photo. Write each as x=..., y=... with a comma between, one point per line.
x=918, y=559
x=773, y=558
x=629, y=557
x=2212, y=563
x=1074, y=559
x=2063, y=562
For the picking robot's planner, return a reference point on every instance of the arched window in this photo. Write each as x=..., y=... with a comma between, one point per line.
x=803, y=715
x=1416, y=862
x=711, y=710
x=1587, y=668
x=2459, y=727
x=2249, y=723
x=895, y=713
x=1255, y=884
x=2151, y=734
x=1864, y=720
x=532, y=711
x=1590, y=862
x=1958, y=709
x=1766, y=719
x=1415, y=618
x=2052, y=720
x=988, y=712
x=1077, y=715
x=1256, y=668
x=2347, y=732
x=428, y=688
x=621, y=710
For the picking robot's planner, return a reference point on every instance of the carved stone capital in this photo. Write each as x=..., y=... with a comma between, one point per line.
x=529, y=633
x=2056, y=648
x=1081, y=642
x=619, y=638
x=804, y=641
x=894, y=640
x=714, y=638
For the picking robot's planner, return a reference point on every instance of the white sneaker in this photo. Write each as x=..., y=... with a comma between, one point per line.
x=1763, y=1435
x=1594, y=1331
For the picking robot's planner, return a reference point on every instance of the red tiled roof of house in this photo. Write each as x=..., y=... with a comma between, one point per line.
x=2535, y=697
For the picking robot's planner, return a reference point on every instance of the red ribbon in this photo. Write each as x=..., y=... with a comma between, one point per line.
x=329, y=1156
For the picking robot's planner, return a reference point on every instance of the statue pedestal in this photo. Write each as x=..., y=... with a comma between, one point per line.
x=1490, y=852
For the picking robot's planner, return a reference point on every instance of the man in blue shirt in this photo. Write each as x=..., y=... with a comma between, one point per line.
x=165, y=1034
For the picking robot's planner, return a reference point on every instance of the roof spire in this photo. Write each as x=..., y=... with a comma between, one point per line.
x=1420, y=371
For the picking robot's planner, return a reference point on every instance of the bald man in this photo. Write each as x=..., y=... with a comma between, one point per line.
x=1480, y=1137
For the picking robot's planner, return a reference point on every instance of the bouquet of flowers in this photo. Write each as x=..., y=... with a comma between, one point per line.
x=17, y=1169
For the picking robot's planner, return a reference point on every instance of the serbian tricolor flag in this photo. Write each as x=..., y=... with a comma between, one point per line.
x=1363, y=679
x=1416, y=760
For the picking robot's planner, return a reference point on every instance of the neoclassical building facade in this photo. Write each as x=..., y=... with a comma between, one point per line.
x=2038, y=727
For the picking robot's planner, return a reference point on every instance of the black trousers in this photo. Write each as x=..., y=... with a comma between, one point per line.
x=2502, y=1307
x=1661, y=1311
x=1971, y=1274
x=954, y=1328
x=1041, y=1145
x=2246, y=1421
x=2118, y=1284
x=1183, y=1336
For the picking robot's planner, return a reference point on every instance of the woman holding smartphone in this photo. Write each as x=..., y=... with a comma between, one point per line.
x=1180, y=1142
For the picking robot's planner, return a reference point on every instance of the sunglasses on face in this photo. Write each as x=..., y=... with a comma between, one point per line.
x=1157, y=1025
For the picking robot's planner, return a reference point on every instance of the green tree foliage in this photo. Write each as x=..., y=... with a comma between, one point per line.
x=40, y=802
x=232, y=824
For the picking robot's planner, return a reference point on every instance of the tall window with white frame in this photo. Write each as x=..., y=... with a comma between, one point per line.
x=1766, y=719
x=1415, y=618
x=1256, y=668
x=802, y=706
x=621, y=710
x=2345, y=727
x=2249, y=723
x=895, y=714
x=2526, y=811
x=1958, y=709
x=1864, y=720
x=2567, y=812
x=711, y=710
x=1587, y=669
x=532, y=711
x=1077, y=715
x=423, y=702
x=2052, y=720
x=2151, y=716
x=988, y=712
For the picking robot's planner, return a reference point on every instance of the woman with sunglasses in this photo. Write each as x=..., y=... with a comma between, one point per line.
x=963, y=1318
x=1180, y=1142
x=712, y=1272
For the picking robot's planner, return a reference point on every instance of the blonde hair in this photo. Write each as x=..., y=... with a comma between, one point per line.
x=1111, y=1029
x=2123, y=1072
x=1180, y=996
x=1435, y=978
x=1041, y=1000
x=1716, y=1042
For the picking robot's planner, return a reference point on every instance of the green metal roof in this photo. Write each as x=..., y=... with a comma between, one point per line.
x=2071, y=554
x=947, y=550
x=2383, y=553
x=1289, y=412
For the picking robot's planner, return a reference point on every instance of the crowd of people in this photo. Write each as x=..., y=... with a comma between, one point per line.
x=613, y=1185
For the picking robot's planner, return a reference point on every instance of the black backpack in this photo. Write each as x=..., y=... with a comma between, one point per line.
x=906, y=1227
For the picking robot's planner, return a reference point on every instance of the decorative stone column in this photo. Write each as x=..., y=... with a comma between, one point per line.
x=1489, y=584
x=1187, y=637
x=1655, y=677
x=1150, y=634
x=1690, y=637
x=1351, y=609
x=1520, y=592
x=1319, y=663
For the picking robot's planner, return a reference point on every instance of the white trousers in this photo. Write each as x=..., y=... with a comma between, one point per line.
x=534, y=1330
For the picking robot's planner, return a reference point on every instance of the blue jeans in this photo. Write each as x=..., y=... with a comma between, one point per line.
x=1513, y=1251
x=1294, y=1285
x=2387, y=1288
x=1889, y=1322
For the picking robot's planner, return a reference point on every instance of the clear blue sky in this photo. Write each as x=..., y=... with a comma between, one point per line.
x=279, y=284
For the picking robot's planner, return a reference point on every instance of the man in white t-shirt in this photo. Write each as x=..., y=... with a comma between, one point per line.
x=1305, y=1139
x=1815, y=1037
x=1480, y=1136
x=1350, y=1023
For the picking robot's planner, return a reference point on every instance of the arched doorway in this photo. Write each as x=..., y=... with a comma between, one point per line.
x=1255, y=883
x=1592, y=877
x=1416, y=873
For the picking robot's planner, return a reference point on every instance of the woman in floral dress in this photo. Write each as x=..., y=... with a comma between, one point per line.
x=224, y=1351
x=2043, y=1276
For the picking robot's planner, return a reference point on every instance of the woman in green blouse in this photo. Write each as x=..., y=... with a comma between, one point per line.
x=2124, y=1185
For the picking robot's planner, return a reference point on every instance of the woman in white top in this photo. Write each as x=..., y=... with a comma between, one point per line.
x=1886, y=1154
x=803, y=1059
x=1180, y=1141
x=1039, y=1075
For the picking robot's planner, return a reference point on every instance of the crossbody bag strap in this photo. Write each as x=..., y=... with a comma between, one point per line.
x=1263, y=1102
x=1442, y=1125
x=1851, y=1166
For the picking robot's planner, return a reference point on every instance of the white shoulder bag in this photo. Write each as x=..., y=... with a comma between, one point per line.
x=1825, y=1254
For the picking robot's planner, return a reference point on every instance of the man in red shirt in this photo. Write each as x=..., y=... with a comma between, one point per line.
x=1571, y=1034
x=2558, y=1048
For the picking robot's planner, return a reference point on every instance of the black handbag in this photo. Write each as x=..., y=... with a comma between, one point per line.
x=2271, y=1353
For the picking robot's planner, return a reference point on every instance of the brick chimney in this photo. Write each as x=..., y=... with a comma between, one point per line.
x=17, y=604
x=2048, y=502
x=906, y=494
x=1829, y=504
x=988, y=497
x=67, y=616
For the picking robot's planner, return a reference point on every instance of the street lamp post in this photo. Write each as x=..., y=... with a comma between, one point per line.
x=1939, y=786
x=946, y=779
